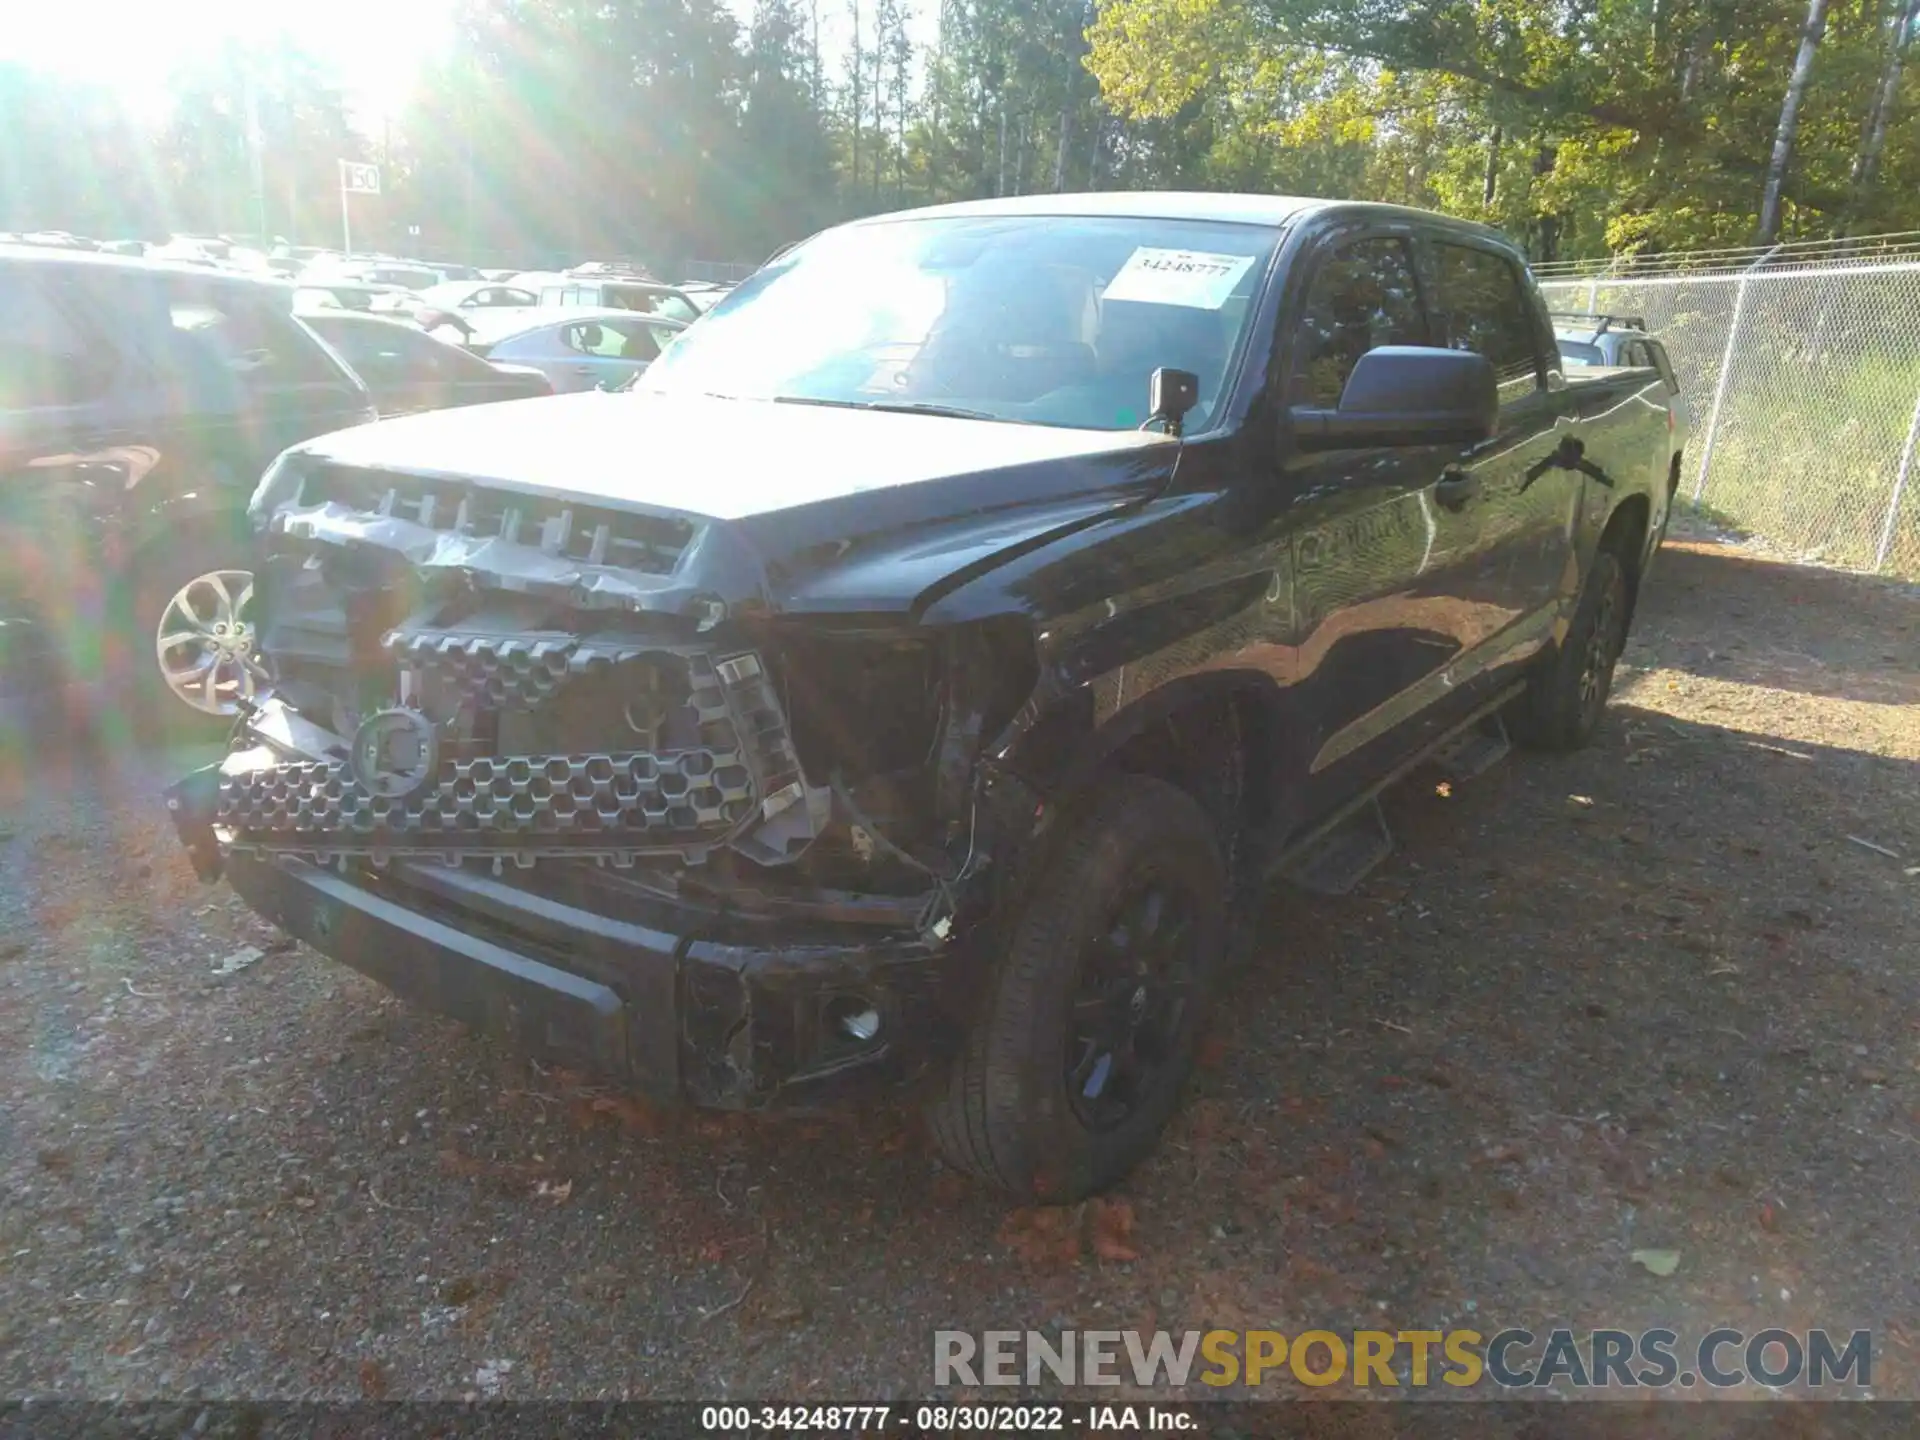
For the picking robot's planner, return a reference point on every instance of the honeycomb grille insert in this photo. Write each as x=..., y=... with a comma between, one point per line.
x=614, y=805
x=487, y=804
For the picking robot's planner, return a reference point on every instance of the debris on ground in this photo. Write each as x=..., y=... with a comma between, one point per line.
x=1657, y=1262
x=239, y=960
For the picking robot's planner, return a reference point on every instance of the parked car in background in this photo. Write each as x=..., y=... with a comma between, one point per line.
x=408, y=370
x=363, y=296
x=705, y=294
x=916, y=676
x=585, y=350
x=370, y=272
x=59, y=240
x=449, y=306
x=645, y=297
x=1594, y=341
x=139, y=404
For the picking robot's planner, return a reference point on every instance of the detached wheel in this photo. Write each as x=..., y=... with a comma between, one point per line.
x=1077, y=1061
x=193, y=637
x=1568, y=694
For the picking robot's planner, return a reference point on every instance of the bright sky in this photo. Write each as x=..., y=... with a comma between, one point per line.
x=374, y=47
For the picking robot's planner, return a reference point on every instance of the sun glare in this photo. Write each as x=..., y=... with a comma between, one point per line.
x=373, y=48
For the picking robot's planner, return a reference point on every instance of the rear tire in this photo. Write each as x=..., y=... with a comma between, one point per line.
x=1567, y=695
x=1117, y=945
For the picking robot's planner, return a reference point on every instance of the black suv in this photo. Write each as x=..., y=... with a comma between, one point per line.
x=139, y=405
x=918, y=671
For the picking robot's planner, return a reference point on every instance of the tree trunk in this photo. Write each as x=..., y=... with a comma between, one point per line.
x=1810, y=36
x=855, y=156
x=1491, y=187
x=1000, y=179
x=1866, y=165
x=1060, y=158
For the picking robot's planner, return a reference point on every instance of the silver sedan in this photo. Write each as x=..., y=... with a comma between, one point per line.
x=583, y=350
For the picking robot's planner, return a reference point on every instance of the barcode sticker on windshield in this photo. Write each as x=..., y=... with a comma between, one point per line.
x=1178, y=277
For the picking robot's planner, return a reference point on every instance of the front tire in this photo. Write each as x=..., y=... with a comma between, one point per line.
x=1076, y=1063
x=1567, y=695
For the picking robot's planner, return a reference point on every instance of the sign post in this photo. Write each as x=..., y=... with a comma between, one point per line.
x=355, y=179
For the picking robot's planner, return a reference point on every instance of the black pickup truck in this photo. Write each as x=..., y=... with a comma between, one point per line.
x=912, y=679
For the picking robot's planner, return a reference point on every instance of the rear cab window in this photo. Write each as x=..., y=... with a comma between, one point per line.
x=1480, y=304
x=1657, y=357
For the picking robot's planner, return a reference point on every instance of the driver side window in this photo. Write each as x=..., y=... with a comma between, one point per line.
x=1364, y=297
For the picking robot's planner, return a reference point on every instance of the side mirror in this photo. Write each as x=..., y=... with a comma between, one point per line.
x=1406, y=395
x=1170, y=395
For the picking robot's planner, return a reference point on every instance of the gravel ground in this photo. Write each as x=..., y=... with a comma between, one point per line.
x=1657, y=995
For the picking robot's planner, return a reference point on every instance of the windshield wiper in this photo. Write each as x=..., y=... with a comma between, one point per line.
x=901, y=407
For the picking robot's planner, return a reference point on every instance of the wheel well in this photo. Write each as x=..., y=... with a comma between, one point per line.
x=1218, y=749
x=1626, y=539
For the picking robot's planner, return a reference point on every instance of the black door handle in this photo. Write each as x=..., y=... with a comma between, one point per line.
x=1455, y=488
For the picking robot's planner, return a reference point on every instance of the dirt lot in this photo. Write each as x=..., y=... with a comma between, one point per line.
x=1655, y=996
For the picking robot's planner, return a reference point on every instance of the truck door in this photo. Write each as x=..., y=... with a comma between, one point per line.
x=1525, y=480
x=1384, y=604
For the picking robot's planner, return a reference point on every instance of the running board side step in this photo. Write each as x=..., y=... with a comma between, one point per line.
x=1336, y=855
x=1345, y=855
x=1474, y=751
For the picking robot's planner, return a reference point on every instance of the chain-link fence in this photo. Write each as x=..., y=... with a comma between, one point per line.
x=1801, y=366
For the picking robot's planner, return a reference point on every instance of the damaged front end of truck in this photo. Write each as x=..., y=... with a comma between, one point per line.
x=558, y=768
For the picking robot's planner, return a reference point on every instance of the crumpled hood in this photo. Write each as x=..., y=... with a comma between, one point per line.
x=793, y=507
x=704, y=455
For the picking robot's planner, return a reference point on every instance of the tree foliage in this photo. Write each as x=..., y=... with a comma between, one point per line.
x=669, y=128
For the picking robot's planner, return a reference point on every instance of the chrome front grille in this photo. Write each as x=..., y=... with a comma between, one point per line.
x=594, y=535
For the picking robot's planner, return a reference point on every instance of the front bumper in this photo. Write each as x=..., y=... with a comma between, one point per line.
x=674, y=1002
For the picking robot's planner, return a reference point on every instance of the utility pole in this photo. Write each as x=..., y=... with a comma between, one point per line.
x=256, y=164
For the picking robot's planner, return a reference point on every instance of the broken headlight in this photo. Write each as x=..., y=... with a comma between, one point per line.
x=280, y=485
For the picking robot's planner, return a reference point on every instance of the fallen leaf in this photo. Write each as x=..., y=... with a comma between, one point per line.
x=1042, y=1235
x=455, y=1163
x=1443, y=789
x=1768, y=1220
x=1657, y=1262
x=1112, y=1228
x=713, y=1252
x=239, y=960
x=373, y=1380
x=557, y=1193
x=633, y=1113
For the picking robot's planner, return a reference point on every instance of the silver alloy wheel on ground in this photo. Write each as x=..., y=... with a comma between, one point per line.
x=205, y=643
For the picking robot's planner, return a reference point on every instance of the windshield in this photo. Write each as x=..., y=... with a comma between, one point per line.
x=1051, y=320
x=1578, y=352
